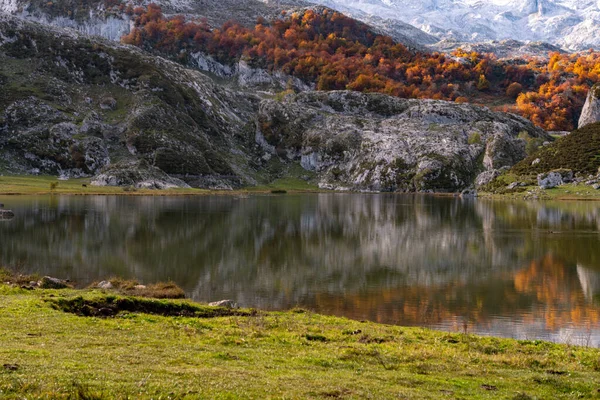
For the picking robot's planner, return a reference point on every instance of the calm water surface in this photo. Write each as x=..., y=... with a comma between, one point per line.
x=524, y=270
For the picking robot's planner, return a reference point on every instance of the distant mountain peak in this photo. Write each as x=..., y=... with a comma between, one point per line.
x=570, y=24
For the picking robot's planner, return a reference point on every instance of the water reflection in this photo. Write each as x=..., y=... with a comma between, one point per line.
x=525, y=270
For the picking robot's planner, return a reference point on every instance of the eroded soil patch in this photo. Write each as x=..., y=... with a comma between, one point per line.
x=107, y=306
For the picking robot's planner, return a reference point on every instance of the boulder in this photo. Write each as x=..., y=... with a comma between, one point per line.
x=549, y=180
x=108, y=103
x=224, y=303
x=591, y=110
x=486, y=177
x=105, y=285
x=554, y=178
x=503, y=150
x=138, y=175
x=48, y=282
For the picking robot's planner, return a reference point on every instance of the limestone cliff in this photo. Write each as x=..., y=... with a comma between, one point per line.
x=72, y=105
x=591, y=110
x=379, y=143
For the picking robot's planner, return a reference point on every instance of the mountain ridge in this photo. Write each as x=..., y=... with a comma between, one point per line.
x=570, y=24
x=76, y=105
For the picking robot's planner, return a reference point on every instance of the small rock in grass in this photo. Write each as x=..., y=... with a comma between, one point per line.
x=108, y=103
x=596, y=186
x=11, y=367
x=48, y=282
x=139, y=287
x=224, y=303
x=513, y=185
x=489, y=387
x=105, y=285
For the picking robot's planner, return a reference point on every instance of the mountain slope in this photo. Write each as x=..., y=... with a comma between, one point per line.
x=571, y=24
x=80, y=106
x=72, y=105
x=108, y=18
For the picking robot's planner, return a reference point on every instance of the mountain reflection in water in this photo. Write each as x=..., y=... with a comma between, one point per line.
x=526, y=270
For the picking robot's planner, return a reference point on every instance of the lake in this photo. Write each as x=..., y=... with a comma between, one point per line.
x=527, y=270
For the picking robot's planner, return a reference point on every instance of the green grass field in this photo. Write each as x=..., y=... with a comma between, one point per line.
x=40, y=185
x=48, y=353
x=564, y=192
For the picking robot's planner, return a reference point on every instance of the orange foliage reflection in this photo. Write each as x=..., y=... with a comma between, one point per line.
x=547, y=291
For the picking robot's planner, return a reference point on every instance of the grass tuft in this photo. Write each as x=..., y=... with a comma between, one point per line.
x=159, y=290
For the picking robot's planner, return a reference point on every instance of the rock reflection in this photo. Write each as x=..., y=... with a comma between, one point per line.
x=526, y=270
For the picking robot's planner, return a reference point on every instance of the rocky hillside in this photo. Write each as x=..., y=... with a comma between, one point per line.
x=75, y=106
x=72, y=105
x=379, y=143
x=579, y=152
x=110, y=19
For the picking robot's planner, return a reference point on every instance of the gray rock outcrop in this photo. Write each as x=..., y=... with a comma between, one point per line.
x=72, y=106
x=373, y=142
x=224, y=303
x=591, y=110
x=554, y=178
x=48, y=282
x=138, y=175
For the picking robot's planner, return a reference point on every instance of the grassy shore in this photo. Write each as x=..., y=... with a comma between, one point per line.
x=565, y=192
x=141, y=348
x=43, y=185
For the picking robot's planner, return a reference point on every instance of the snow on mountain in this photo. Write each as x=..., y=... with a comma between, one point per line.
x=570, y=24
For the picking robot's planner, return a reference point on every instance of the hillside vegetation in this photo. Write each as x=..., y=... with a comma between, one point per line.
x=336, y=52
x=579, y=151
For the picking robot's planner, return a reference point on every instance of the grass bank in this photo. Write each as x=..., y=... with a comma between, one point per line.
x=44, y=185
x=570, y=191
x=94, y=344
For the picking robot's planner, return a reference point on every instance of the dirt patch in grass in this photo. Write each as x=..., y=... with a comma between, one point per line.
x=108, y=306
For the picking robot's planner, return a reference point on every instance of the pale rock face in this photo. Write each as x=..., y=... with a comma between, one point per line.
x=549, y=180
x=503, y=151
x=554, y=178
x=486, y=177
x=591, y=110
x=372, y=142
x=138, y=175
x=9, y=6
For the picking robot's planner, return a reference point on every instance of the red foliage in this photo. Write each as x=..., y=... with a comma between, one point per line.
x=337, y=52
